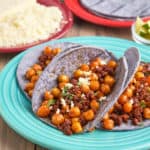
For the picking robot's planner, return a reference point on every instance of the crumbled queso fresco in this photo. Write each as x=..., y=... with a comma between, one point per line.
x=29, y=24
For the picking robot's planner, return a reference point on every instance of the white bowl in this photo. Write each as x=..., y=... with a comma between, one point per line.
x=137, y=38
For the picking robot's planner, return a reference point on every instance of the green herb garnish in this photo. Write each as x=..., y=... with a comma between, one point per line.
x=51, y=102
x=142, y=103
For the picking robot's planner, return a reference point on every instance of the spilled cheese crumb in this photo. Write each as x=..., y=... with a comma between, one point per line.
x=28, y=24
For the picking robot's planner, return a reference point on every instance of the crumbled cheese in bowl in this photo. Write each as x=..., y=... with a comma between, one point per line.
x=29, y=24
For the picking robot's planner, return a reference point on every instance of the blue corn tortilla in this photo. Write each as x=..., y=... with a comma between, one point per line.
x=118, y=9
x=31, y=58
x=66, y=63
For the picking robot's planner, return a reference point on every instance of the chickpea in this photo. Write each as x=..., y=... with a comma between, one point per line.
x=108, y=124
x=30, y=93
x=99, y=94
x=132, y=87
x=74, y=112
x=74, y=120
x=127, y=107
x=148, y=80
x=139, y=75
x=93, y=77
x=111, y=109
x=48, y=95
x=94, y=85
x=84, y=67
x=45, y=102
x=94, y=64
x=47, y=62
x=123, y=99
x=112, y=64
x=57, y=119
x=98, y=60
x=78, y=73
x=140, y=68
x=34, y=78
x=37, y=67
x=63, y=78
x=55, y=92
x=85, y=88
x=109, y=80
x=65, y=108
x=47, y=50
x=30, y=73
x=94, y=105
x=105, y=88
x=146, y=113
x=129, y=92
x=43, y=111
x=61, y=85
x=76, y=127
x=89, y=115
x=106, y=116
x=56, y=51
x=29, y=86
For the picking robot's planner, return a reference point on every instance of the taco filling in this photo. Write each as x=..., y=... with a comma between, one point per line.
x=33, y=73
x=133, y=105
x=75, y=100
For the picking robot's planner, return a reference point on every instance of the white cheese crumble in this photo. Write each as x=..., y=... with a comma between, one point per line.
x=87, y=73
x=72, y=104
x=103, y=62
x=29, y=24
x=57, y=111
x=83, y=95
x=63, y=102
x=102, y=98
x=84, y=81
x=69, y=85
x=131, y=101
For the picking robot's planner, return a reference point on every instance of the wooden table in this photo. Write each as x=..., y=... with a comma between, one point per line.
x=9, y=140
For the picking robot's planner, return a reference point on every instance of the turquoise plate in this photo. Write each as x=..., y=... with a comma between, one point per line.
x=16, y=109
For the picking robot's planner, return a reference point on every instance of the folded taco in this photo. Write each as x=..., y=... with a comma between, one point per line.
x=34, y=62
x=68, y=93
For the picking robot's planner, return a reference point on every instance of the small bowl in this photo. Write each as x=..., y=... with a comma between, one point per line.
x=137, y=38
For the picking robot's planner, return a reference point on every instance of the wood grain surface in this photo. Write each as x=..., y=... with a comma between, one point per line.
x=9, y=140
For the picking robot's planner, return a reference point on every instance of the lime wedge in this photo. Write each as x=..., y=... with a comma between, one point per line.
x=138, y=24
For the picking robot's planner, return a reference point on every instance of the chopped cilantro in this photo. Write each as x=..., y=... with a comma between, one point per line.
x=51, y=102
x=142, y=103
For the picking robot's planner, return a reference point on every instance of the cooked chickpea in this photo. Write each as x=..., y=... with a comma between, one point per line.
x=94, y=64
x=94, y=105
x=29, y=86
x=56, y=51
x=74, y=120
x=128, y=92
x=45, y=102
x=30, y=73
x=132, y=87
x=84, y=67
x=47, y=50
x=111, y=109
x=55, y=92
x=139, y=75
x=105, y=88
x=146, y=113
x=37, y=67
x=98, y=60
x=93, y=76
x=109, y=80
x=48, y=95
x=63, y=78
x=85, y=88
x=127, y=107
x=89, y=115
x=43, y=111
x=78, y=73
x=76, y=127
x=65, y=108
x=99, y=94
x=61, y=85
x=106, y=116
x=112, y=64
x=74, y=112
x=57, y=119
x=94, y=85
x=123, y=99
x=30, y=93
x=108, y=124
x=34, y=78
x=148, y=80
x=140, y=68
